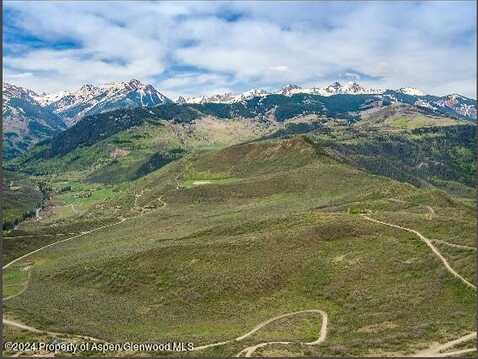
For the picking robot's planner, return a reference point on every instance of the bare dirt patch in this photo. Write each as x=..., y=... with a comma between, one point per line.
x=379, y=327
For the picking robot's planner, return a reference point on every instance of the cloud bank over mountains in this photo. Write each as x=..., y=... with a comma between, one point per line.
x=205, y=48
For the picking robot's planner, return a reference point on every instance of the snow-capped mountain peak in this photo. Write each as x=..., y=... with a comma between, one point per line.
x=23, y=115
x=135, y=83
x=218, y=98
x=412, y=91
x=227, y=97
x=333, y=87
x=289, y=89
x=11, y=91
x=130, y=85
x=350, y=88
x=458, y=103
x=455, y=97
x=354, y=88
x=91, y=99
x=87, y=88
x=250, y=94
x=181, y=100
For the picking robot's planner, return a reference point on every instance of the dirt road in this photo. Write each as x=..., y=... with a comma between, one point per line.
x=25, y=286
x=429, y=243
x=61, y=241
x=14, y=323
x=247, y=352
x=460, y=246
x=437, y=350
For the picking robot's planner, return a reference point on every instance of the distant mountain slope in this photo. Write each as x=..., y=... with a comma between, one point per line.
x=141, y=138
x=399, y=142
x=451, y=105
x=90, y=99
x=270, y=110
x=20, y=197
x=346, y=106
x=25, y=121
x=30, y=117
x=227, y=97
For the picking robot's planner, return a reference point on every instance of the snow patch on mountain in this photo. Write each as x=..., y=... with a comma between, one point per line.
x=336, y=88
x=11, y=91
x=412, y=91
x=227, y=97
x=460, y=104
x=289, y=90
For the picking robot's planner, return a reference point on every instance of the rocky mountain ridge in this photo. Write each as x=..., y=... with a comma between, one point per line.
x=91, y=99
x=25, y=120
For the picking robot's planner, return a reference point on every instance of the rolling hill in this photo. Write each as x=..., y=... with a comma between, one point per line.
x=208, y=246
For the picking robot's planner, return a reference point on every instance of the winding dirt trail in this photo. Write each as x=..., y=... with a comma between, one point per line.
x=460, y=246
x=122, y=219
x=31, y=329
x=437, y=350
x=431, y=211
x=429, y=243
x=247, y=352
x=14, y=323
x=457, y=352
x=62, y=241
x=25, y=286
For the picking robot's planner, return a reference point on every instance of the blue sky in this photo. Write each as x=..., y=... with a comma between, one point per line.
x=204, y=48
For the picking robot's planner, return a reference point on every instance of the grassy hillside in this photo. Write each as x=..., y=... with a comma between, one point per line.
x=222, y=239
x=400, y=143
x=20, y=197
x=132, y=150
x=434, y=155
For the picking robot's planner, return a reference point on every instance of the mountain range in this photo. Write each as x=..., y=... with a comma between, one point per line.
x=30, y=117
